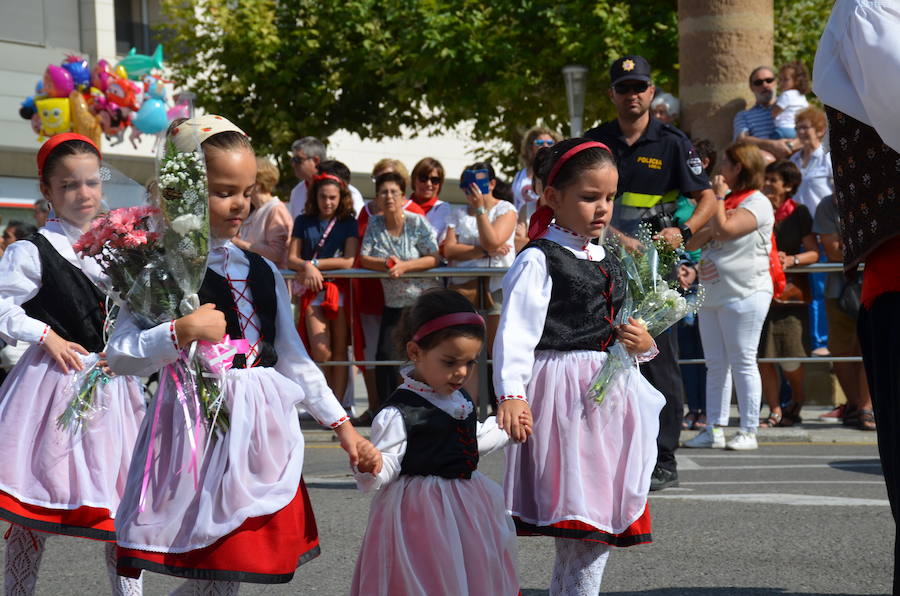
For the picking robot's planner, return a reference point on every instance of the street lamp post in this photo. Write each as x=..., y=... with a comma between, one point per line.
x=575, y=77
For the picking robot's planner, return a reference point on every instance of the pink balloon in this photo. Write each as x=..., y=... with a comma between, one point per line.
x=181, y=110
x=58, y=81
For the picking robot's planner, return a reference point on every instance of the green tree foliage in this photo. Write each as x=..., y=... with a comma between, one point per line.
x=290, y=68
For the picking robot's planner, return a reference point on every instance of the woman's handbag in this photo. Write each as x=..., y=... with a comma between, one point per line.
x=470, y=291
x=849, y=300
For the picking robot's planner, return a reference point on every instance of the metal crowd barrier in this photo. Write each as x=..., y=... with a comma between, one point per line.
x=483, y=273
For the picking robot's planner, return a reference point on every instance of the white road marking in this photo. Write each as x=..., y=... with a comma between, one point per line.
x=686, y=463
x=696, y=455
x=779, y=499
x=836, y=465
x=767, y=482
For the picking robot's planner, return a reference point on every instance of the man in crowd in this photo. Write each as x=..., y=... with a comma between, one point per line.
x=656, y=163
x=308, y=155
x=757, y=124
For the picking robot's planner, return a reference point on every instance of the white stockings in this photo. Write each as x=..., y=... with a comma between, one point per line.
x=24, y=550
x=201, y=587
x=579, y=566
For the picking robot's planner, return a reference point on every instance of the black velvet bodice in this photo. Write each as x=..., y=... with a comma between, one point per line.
x=583, y=302
x=436, y=443
x=68, y=301
x=261, y=281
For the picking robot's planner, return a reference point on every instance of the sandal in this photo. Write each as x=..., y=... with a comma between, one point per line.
x=858, y=418
x=790, y=414
x=772, y=421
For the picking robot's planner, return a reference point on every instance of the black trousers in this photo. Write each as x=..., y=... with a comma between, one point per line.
x=387, y=379
x=879, y=337
x=664, y=374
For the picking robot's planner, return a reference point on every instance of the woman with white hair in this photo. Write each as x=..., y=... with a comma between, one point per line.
x=666, y=108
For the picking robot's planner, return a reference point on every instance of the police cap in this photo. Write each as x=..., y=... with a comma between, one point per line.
x=629, y=68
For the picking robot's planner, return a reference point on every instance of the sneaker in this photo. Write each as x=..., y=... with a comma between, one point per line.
x=742, y=441
x=710, y=437
x=834, y=415
x=663, y=478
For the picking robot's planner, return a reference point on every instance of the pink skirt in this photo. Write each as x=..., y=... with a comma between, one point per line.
x=64, y=481
x=432, y=535
x=585, y=472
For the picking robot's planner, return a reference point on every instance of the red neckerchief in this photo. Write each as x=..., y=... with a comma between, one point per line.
x=425, y=205
x=783, y=212
x=734, y=199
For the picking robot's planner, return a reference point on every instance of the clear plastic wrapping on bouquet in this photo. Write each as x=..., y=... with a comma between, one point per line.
x=167, y=286
x=650, y=299
x=81, y=392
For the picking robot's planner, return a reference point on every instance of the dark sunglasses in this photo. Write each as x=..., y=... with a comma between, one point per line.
x=544, y=142
x=298, y=160
x=625, y=88
x=758, y=82
x=433, y=179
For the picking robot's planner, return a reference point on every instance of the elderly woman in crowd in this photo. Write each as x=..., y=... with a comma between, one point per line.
x=267, y=230
x=666, y=108
x=481, y=235
x=818, y=182
x=785, y=329
x=398, y=242
x=735, y=271
x=427, y=180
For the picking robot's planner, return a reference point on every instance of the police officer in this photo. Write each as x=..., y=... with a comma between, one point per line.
x=656, y=164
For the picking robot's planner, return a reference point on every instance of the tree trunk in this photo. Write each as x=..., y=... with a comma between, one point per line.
x=719, y=43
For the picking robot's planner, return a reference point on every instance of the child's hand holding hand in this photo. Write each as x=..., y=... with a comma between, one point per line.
x=204, y=324
x=369, y=458
x=526, y=422
x=510, y=415
x=634, y=337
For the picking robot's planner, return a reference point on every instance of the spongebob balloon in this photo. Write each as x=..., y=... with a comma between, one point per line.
x=54, y=114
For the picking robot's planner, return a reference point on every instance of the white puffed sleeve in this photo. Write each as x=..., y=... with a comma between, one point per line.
x=295, y=364
x=20, y=281
x=389, y=436
x=140, y=352
x=526, y=297
x=491, y=437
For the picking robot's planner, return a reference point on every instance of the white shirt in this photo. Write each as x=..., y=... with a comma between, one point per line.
x=438, y=217
x=389, y=432
x=20, y=279
x=818, y=180
x=526, y=297
x=790, y=102
x=857, y=62
x=734, y=269
x=298, y=200
x=135, y=351
x=521, y=189
x=466, y=227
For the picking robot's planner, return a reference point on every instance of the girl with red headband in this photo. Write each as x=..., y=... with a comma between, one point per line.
x=583, y=477
x=325, y=237
x=242, y=514
x=436, y=526
x=60, y=480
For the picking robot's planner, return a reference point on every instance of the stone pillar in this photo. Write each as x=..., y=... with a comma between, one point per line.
x=719, y=43
x=98, y=29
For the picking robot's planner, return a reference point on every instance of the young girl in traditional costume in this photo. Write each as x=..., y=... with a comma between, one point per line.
x=57, y=478
x=242, y=513
x=437, y=525
x=583, y=477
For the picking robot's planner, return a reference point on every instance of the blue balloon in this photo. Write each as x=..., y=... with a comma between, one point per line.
x=151, y=118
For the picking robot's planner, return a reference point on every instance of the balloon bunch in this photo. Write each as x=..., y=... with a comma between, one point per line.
x=103, y=99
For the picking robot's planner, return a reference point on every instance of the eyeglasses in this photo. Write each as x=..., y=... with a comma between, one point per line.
x=299, y=160
x=433, y=179
x=767, y=80
x=390, y=193
x=544, y=142
x=626, y=88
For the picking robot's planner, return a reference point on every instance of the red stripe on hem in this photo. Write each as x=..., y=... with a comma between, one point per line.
x=94, y=523
x=639, y=532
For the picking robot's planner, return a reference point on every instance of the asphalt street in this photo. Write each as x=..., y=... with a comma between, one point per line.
x=791, y=518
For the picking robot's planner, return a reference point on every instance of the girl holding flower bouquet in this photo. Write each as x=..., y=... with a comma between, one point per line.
x=231, y=507
x=57, y=478
x=583, y=477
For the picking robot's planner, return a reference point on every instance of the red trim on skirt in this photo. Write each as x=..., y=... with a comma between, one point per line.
x=265, y=549
x=638, y=532
x=84, y=522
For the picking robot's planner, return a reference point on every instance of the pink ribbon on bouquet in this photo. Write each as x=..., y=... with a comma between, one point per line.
x=219, y=358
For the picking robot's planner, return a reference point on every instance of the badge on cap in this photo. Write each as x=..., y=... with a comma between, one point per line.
x=628, y=65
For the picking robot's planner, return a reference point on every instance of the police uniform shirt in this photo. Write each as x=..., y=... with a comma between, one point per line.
x=653, y=171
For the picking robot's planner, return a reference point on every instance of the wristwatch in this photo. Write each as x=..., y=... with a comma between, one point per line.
x=315, y=263
x=796, y=260
x=686, y=233
x=480, y=211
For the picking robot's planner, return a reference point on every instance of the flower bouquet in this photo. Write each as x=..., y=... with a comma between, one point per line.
x=650, y=299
